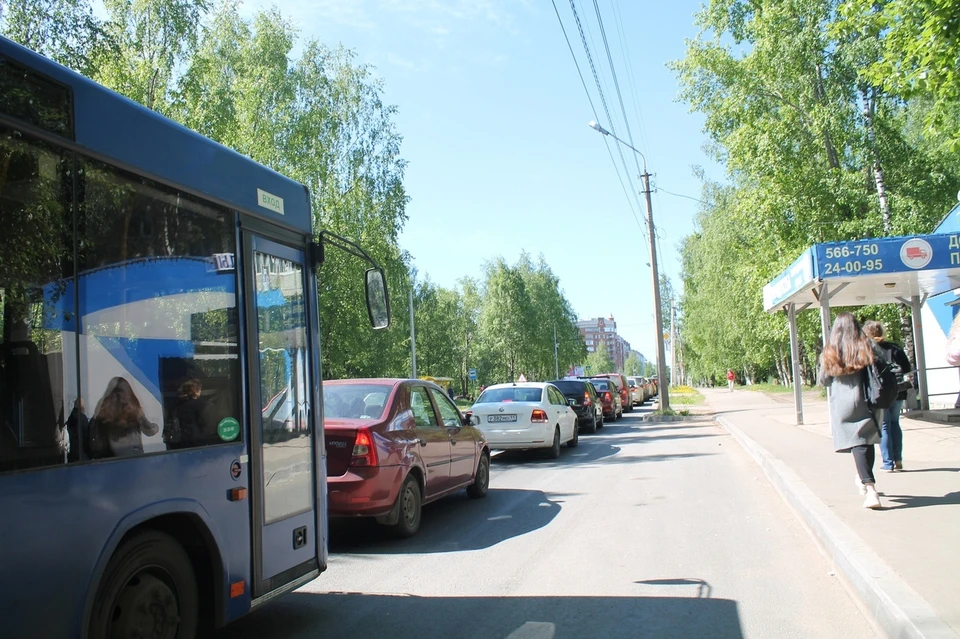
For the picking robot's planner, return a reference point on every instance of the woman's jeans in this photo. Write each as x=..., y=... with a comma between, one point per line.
x=891, y=437
x=863, y=457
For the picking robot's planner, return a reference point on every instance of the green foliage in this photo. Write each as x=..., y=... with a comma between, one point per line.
x=599, y=362
x=632, y=366
x=63, y=30
x=687, y=399
x=918, y=49
x=439, y=352
x=521, y=307
x=808, y=140
x=152, y=37
x=767, y=388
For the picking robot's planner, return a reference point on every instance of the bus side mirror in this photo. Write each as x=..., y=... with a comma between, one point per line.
x=378, y=305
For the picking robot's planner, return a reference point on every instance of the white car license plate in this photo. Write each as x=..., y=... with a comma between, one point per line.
x=501, y=418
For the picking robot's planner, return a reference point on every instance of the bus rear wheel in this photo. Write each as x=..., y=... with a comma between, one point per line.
x=148, y=590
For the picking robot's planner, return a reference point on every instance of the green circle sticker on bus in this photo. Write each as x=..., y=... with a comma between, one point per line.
x=228, y=429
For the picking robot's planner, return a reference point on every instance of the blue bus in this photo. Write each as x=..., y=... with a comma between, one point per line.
x=161, y=449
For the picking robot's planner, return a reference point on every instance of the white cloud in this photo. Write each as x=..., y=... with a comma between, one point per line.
x=402, y=62
x=438, y=17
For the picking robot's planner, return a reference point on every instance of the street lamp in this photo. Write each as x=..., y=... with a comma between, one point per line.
x=661, y=359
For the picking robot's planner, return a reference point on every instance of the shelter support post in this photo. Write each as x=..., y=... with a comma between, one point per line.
x=824, y=298
x=795, y=362
x=921, y=375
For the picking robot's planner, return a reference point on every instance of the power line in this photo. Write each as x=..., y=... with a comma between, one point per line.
x=628, y=64
x=593, y=108
x=689, y=197
x=616, y=83
x=603, y=101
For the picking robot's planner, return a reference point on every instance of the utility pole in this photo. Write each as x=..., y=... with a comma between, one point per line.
x=663, y=382
x=657, y=310
x=413, y=337
x=556, y=353
x=673, y=344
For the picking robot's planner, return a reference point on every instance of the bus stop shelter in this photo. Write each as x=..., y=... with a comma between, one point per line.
x=885, y=270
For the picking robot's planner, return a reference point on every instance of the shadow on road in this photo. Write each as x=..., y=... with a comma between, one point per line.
x=603, y=448
x=644, y=428
x=453, y=524
x=919, y=501
x=703, y=588
x=589, y=450
x=359, y=616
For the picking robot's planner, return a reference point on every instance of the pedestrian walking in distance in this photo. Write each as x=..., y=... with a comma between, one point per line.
x=853, y=422
x=730, y=378
x=891, y=435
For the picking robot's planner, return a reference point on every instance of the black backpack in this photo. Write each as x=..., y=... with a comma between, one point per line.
x=880, y=383
x=902, y=384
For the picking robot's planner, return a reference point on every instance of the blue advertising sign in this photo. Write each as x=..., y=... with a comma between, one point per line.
x=791, y=280
x=888, y=255
x=473, y=374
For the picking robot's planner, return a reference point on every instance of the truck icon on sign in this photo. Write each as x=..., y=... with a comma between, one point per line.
x=916, y=253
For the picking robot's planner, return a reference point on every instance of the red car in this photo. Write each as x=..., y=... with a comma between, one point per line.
x=623, y=387
x=394, y=445
x=609, y=398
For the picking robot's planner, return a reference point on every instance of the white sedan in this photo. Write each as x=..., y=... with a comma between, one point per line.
x=526, y=415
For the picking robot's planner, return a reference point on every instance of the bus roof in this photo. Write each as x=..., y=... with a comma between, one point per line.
x=115, y=128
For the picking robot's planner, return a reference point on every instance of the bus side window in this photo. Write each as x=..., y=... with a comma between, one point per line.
x=36, y=269
x=159, y=309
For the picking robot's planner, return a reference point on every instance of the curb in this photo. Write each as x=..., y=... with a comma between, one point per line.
x=889, y=602
x=667, y=418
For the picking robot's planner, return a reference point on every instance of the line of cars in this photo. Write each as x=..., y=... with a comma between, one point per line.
x=394, y=445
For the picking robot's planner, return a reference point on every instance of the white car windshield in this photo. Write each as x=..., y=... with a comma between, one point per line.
x=510, y=394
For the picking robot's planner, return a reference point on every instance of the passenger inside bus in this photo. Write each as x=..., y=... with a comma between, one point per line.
x=77, y=427
x=189, y=428
x=119, y=424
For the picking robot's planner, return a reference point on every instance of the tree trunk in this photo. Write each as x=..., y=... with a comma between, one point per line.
x=833, y=160
x=869, y=97
x=906, y=329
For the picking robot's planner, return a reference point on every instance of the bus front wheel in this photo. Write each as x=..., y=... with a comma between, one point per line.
x=148, y=590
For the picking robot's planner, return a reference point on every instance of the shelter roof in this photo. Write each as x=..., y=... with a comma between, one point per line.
x=870, y=271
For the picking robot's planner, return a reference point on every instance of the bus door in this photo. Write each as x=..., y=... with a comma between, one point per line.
x=283, y=483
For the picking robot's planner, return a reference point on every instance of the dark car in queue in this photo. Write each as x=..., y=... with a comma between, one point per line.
x=394, y=445
x=609, y=398
x=583, y=398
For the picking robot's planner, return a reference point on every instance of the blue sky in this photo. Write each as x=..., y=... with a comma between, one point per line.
x=501, y=160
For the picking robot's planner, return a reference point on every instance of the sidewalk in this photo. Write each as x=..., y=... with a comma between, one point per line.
x=903, y=562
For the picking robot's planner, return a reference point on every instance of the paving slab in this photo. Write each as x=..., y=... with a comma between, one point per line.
x=903, y=561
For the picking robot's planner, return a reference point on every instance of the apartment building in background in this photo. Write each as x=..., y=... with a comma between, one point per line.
x=601, y=332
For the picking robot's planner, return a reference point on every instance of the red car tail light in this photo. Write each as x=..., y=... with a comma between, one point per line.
x=538, y=416
x=586, y=398
x=607, y=396
x=364, y=452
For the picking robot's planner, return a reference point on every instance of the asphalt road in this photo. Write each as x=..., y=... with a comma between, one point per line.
x=656, y=530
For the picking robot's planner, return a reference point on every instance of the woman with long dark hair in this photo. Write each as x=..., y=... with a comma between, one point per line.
x=854, y=424
x=119, y=423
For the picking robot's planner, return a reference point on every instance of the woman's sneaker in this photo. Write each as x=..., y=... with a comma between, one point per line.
x=872, y=499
